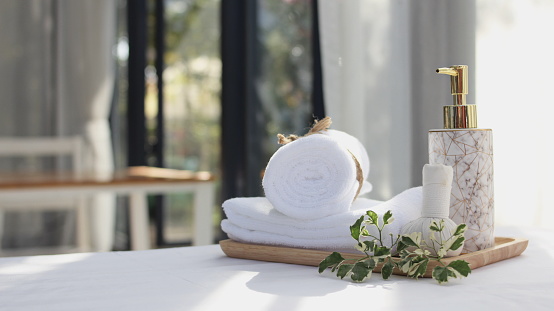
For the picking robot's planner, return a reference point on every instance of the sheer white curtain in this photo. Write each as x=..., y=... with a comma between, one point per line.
x=57, y=80
x=379, y=60
x=86, y=73
x=514, y=82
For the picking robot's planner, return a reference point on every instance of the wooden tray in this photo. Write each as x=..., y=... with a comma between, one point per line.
x=504, y=248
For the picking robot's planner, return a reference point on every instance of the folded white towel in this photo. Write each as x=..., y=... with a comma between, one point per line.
x=255, y=220
x=316, y=176
x=258, y=214
x=239, y=234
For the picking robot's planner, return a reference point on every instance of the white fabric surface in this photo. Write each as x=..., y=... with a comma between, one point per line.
x=203, y=278
x=315, y=176
x=256, y=220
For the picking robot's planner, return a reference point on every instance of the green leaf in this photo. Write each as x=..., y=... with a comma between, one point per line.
x=413, y=269
x=404, y=254
x=355, y=229
x=407, y=240
x=441, y=274
x=373, y=218
x=386, y=217
x=461, y=266
x=343, y=270
x=370, y=245
x=419, y=267
x=405, y=264
x=458, y=268
x=381, y=251
x=360, y=271
x=400, y=247
x=460, y=229
x=364, y=232
x=458, y=243
x=386, y=271
x=434, y=227
x=370, y=263
x=331, y=260
x=422, y=268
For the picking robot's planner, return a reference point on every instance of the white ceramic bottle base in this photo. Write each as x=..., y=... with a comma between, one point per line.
x=470, y=153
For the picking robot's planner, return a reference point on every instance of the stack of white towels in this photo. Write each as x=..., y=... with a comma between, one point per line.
x=313, y=196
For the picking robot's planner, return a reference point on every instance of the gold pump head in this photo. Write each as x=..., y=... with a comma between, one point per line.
x=458, y=115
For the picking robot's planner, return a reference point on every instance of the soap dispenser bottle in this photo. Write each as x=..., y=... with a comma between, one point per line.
x=469, y=151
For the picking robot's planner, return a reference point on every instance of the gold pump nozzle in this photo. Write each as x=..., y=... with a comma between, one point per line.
x=458, y=115
x=458, y=82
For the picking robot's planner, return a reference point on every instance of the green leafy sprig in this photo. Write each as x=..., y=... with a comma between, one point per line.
x=413, y=252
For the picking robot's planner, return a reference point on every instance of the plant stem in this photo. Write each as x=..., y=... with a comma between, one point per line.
x=380, y=235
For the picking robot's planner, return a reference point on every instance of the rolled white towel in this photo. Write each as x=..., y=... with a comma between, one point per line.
x=316, y=176
x=358, y=150
x=255, y=220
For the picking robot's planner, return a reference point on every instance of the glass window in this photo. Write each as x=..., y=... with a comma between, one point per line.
x=192, y=84
x=285, y=84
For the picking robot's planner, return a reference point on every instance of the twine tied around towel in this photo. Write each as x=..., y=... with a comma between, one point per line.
x=317, y=128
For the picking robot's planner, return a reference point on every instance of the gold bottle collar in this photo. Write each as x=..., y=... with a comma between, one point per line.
x=460, y=116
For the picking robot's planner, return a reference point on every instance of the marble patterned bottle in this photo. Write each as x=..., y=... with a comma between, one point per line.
x=469, y=151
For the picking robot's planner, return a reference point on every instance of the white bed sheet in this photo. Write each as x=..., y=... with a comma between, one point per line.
x=203, y=278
